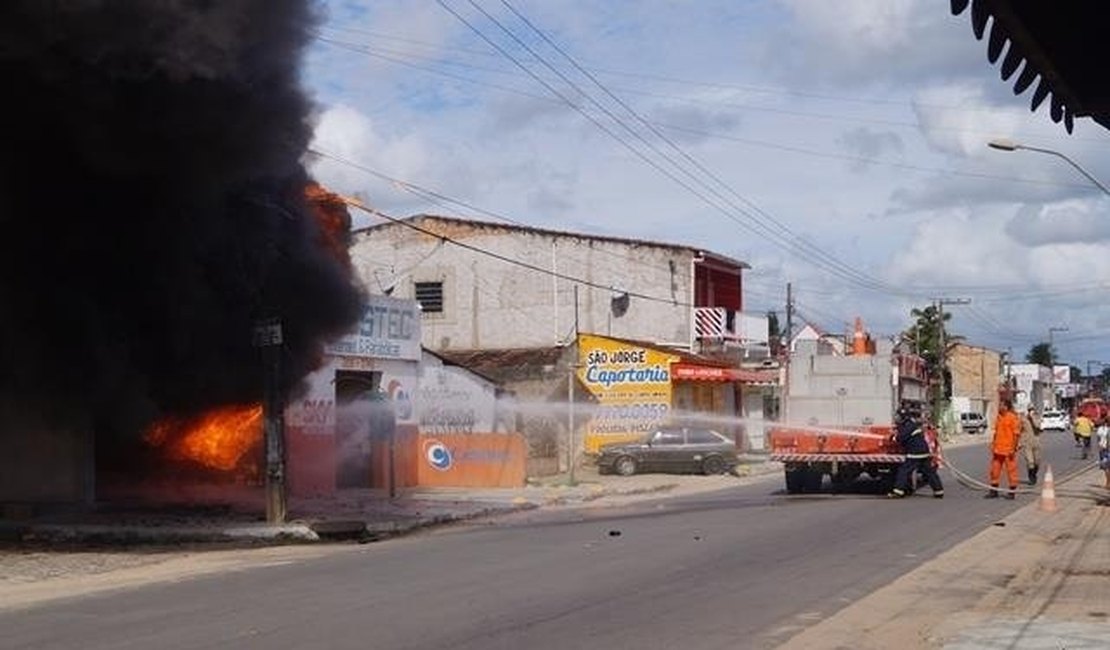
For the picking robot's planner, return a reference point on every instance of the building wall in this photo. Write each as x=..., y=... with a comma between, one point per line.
x=1034, y=386
x=491, y=304
x=976, y=374
x=45, y=466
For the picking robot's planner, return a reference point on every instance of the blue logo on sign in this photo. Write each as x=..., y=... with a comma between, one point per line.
x=401, y=400
x=438, y=455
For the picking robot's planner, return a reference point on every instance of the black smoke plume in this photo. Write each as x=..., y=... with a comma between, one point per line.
x=152, y=207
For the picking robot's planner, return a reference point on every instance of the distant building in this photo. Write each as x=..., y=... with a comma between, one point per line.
x=977, y=373
x=826, y=343
x=1033, y=385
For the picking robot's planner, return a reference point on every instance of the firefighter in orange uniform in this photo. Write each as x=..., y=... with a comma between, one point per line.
x=1007, y=432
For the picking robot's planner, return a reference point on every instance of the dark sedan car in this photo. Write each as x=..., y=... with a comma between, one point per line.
x=671, y=449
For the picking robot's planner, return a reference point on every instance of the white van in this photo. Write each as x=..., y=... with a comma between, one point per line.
x=972, y=423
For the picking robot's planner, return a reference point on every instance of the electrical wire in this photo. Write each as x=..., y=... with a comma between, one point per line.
x=746, y=88
x=757, y=221
x=766, y=218
x=443, y=200
x=912, y=291
x=355, y=203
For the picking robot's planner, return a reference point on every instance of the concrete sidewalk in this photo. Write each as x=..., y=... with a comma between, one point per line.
x=1036, y=579
x=352, y=514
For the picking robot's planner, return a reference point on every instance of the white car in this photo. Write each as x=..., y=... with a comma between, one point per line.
x=1055, y=420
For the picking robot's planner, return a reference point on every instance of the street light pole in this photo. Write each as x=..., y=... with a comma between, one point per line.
x=942, y=353
x=1090, y=377
x=1051, y=353
x=1009, y=145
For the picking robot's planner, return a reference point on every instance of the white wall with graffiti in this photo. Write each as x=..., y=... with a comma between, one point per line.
x=451, y=399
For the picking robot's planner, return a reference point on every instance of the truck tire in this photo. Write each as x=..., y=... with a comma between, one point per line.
x=795, y=479
x=814, y=477
x=843, y=480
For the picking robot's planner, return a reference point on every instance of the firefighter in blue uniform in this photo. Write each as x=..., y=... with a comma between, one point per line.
x=911, y=436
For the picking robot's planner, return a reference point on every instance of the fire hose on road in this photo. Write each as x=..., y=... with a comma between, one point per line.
x=969, y=481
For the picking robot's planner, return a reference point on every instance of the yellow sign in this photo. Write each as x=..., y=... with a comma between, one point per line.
x=631, y=384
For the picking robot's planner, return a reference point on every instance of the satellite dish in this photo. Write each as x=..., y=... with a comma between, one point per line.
x=619, y=301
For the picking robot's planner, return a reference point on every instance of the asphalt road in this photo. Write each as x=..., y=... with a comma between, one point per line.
x=745, y=567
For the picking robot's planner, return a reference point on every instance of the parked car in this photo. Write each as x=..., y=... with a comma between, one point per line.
x=973, y=423
x=1055, y=420
x=671, y=449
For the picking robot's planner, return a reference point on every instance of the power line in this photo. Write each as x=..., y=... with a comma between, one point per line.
x=912, y=291
x=747, y=88
x=754, y=224
x=767, y=218
x=354, y=203
x=361, y=49
x=443, y=200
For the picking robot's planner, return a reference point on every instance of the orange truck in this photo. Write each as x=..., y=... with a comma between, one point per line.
x=1094, y=408
x=839, y=414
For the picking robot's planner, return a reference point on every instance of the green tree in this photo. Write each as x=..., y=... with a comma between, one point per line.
x=928, y=338
x=774, y=334
x=1041, y=354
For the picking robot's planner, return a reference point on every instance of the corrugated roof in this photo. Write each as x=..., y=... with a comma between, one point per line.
x=452, y=363
x=494, y=362
x=421, y=219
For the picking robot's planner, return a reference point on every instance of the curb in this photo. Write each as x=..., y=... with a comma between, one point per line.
x=133, y=536
x=351, y=528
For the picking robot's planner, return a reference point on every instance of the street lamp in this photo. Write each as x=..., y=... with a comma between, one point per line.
x=1091, y=378
x=1003, y=144
x=1051, y=330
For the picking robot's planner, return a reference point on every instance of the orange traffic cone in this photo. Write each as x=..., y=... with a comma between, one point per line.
x=1048, y=492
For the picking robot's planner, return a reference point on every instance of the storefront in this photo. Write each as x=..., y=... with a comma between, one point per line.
x=467, y=432
x=382, y=413
x=339, y=431
x=733, y=401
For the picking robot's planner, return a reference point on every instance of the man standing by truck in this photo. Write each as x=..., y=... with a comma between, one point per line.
x=911, y=436
x=1031, y=443
x=1007, y=431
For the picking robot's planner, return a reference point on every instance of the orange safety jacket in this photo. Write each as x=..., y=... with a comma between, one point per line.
x=1007, y=431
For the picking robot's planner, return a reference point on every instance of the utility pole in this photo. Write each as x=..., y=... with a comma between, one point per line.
x=789, y=338
x=1051, y=352
x=942, y=352
x=269, y=338
x=789, y=314
x=572, y=369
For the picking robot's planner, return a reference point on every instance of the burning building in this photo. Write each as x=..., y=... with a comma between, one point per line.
x=153, y=198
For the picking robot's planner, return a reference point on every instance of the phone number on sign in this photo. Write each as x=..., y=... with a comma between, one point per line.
x=631, y=412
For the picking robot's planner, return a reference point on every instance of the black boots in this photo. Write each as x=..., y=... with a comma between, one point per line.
x=993, y=494
x=1033, y=475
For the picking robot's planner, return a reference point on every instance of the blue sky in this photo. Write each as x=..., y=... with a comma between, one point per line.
x=858, y=127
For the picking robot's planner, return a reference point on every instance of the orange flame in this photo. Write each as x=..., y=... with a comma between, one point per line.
x=334, y=219
x=217, y=439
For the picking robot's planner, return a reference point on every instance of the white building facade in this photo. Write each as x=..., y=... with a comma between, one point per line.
x=1034, y=386
x=561, y=283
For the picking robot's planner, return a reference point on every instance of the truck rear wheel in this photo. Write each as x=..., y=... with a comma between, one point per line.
x=795, y=478
x=843, y=480
x=814, y=477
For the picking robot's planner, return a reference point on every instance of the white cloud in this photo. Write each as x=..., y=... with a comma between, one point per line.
x=1069, y=223
x=346, y=133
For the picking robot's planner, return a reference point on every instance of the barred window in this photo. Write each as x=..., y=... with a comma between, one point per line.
x=430, y=297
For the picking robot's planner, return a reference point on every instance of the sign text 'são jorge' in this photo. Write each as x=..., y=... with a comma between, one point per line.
x=632, y=386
